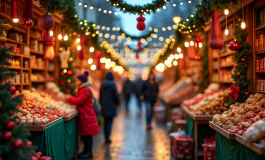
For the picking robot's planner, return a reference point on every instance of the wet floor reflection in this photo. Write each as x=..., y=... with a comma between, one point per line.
x=131, y=141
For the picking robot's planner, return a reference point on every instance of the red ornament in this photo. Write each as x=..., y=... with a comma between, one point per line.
x=14, y=9
x=69, y=72
x=246, y=93
x=201, y=90
x=28, y=143
x=7, y=135
x=197, y=40
x=17, y=144
x=234, y=46
x=243, y=59
x=12, y=89
x=10, y=125
x=46, y=22
x=68, y=91
x=62, y=82
x=238, y=74
x=236, y=64
x=27, y=23
x=62, y=73
x=202, y=77
x=141, y=25
x=216, y=34
x=198, y=57
x=205, y=84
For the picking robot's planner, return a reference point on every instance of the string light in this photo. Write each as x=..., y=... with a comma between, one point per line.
x=175, y=63
x=93, y=67
x=243, y=24
x=65, y=38
x=60, y=37
x=51, y=33
x=186, y=44
x=91, y=49
x=191, y=43
x=77, y=40
x=179, y=49
x=180, y=56
x=226, y=31
x=78, y=47
x=90, y=61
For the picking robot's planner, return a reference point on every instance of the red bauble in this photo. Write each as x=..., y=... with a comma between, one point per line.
x=234, y=46
x=17, y=144
x=202, y=77
x=243, y=59
x=201, y=90
x=216, y=34
x=62, y=73
x=197, y=40
x=46, y=22
x=246, y=93
x=198, y=57
x=12, y=89
x=236, y=64
x=69, y=72
x=68, y=91
x=62, y=82
x=10, y=125
x=238, y=74
x=141, y=25
x=28, y=143
x=27, y=23
x=7, y=135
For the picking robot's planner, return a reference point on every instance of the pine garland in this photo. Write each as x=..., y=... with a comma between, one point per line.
x=204, y=72
x=241, y=59
x=147, y=8
x=131, y=49
x=149, y=34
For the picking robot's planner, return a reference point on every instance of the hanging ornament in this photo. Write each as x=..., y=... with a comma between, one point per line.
x=236, y=64
x=14, y=11
x=243, y=23
x=10, y=125
x=238, y=74
x=197, y=41
x=17, y=144
x=62, y=73
x=12, y=89
x=4, y=27
x=62, y=82
x=141, y=25
x=246, y=93
x=243, y=59
x=68, y=91
x=216, y=34
x=46, y=22
x=28, y=14
x=234, y=46
x=7, y=135
x=69, y=72
x=28, y=143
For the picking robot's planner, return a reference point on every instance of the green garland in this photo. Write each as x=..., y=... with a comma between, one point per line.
x=149, y=34
x=204, y=72
x=147, y=8
x=241, y=59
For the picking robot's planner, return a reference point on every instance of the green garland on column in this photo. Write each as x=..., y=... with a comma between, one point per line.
x=204, y=72
x=239, y=88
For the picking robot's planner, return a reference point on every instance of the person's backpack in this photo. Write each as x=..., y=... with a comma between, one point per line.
x=97, y=106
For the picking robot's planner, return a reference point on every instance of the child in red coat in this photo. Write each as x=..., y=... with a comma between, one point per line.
x=87, y=120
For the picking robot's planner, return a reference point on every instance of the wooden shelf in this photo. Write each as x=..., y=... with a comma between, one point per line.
x=226, y=54
x=26, y=84
x=260, y=71
x=260, y=92
x=260, y=51
x=18, y=68
x=259, y=28
x=38, y=81
x=38, y=69
x=14, y=41
x=227, y=65
x=51, y=70
x=34, y=37
x=36, y=52
x=17, y=84
x=26, y=69
x=13, y=54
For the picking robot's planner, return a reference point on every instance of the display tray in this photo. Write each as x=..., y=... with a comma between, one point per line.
x=41, y=127
x=197, y=117
x=253, y=146
x=221, y=131
x=70, y=116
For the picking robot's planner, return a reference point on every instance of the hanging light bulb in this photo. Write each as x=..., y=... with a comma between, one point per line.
x=60, y=37
x=91, y=49
x=175, y=63
x=226, y=11
x=78, y=47
x=191, y=43
x=186, y=44
x=180, y=56
x=200, y=45
x=243, y=24
x=226, y=31
x=93, y=67
x=90, y=61
x=14, y=10
x=179, y=49
x=77, y=40
x=65, y=38
x=51, y=33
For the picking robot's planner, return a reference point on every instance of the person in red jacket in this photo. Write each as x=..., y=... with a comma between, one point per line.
x=87, y=120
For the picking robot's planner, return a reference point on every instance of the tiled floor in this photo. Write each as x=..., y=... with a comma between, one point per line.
x=131, y=141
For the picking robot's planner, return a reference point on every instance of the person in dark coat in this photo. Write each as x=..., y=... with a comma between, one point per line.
x=137, y=91
x=109, y=100
x=87, y=119
x=150, y=92
x=127, y=91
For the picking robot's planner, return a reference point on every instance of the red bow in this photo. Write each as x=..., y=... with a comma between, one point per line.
x=234, y=92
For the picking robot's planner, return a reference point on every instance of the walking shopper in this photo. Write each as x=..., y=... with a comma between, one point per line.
x=109, y=100
x=137, y=91
x=150, y=92
x=127, y=91
x=87, y=120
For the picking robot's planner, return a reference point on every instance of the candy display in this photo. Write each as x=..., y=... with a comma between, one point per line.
x=241, y=116
x=215, y=103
